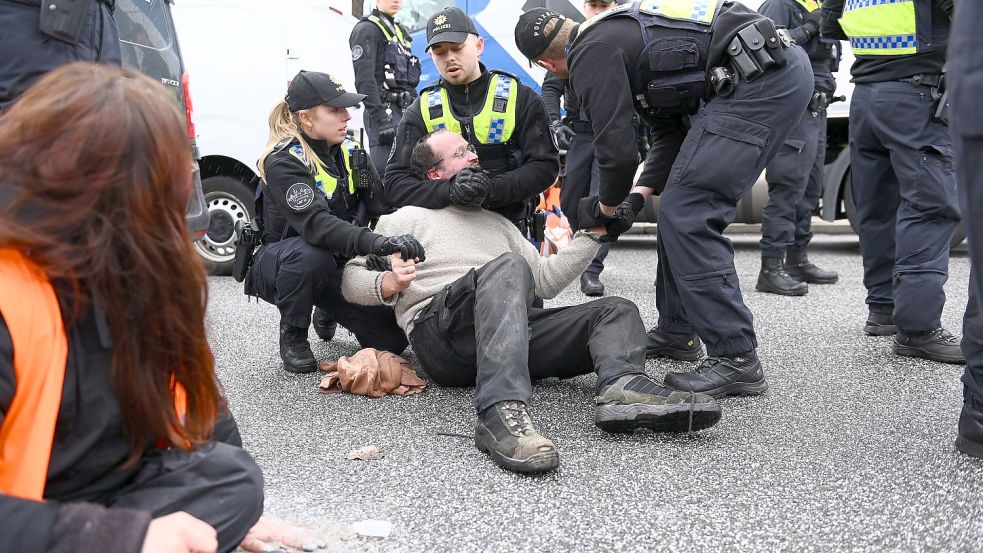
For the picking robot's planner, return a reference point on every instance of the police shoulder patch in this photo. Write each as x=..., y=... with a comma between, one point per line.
x=299, y=196
x=357, y=52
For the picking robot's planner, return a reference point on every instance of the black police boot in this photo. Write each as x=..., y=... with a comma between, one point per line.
x=970, y=438
x=505, y=431
x=798, y=266
x=295, y=350
x=324, y=325
x=735, y=375
x=937, y=345
x=774, y=280
x=591, y=285
x=636, y=401
x=682, y=347
x=880, y=323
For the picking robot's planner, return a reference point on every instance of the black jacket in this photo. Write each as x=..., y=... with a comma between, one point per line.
x=824, y=53
x=293, y=205
x=555, y=88
x=875, y=69
x=538, y=163
x=603, y=74
x=368, y=45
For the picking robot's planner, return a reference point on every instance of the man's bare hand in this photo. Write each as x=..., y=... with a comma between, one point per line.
x=269, y=534
x=179, y=533
x=400, y=277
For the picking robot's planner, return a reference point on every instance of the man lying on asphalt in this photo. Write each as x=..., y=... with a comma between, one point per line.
x=467, y=311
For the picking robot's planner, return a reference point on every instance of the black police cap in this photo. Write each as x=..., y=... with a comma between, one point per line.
x=529, y=35
x=311, y=88
x=449, y=25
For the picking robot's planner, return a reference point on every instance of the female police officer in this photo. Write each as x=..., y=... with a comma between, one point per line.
x=314, y=214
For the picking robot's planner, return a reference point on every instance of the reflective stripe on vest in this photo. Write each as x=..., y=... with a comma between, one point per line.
x=325, y=182
x=33, y=317
x=388, y=32
x=495, y=122
x=697, y=11
x=810, y=5
x=881, y=27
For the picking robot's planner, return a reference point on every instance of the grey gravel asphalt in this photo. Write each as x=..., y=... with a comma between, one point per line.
x=850, y=450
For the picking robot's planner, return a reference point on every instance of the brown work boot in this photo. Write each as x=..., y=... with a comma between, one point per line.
x=505, y=431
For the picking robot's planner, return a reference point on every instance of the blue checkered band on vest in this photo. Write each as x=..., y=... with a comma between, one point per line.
x=433, y=101
x=857, y=4
x=496, y=130
x=885, y=42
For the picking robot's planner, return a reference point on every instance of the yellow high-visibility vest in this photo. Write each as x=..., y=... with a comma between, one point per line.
x=495, y=122
x=881, y=27
x=325, y=182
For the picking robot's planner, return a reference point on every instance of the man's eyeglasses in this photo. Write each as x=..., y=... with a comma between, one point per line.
x=460, y=153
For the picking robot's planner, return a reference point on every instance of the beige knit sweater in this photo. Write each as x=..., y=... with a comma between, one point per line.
x=458, y=240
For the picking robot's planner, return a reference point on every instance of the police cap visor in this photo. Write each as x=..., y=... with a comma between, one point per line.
x=449, y=25
x=311, y=88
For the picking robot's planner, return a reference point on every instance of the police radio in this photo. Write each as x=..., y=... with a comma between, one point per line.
x=360, y=162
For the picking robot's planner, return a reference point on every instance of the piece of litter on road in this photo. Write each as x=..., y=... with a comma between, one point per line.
x=367, y=453
x=373, y=528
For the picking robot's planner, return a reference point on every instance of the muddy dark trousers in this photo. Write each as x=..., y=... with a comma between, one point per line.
x=730, y=142
x=581, y=180
x=482, y=331
x=218, y=483
x=904, y=188
x=794, y=184
x=295, y=276
x=378, y=150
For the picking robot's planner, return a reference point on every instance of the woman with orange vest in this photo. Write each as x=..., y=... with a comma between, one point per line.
x=114, y=435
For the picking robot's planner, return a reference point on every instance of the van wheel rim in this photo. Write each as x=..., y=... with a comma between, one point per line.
x=218, y=244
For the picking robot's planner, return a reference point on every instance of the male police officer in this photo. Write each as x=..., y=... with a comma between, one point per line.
x=35, y=41
x=795, y=176
x=574, y=134
x=966, y=68
x=653, y=58
x=901, y=164
x=386, y=72
x=502, y=119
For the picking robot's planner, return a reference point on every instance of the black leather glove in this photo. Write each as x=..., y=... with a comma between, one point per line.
x=407, y=247
x=624, y=216
x=378, y=263
x=812, y=22
x=563, y=134
x=387, y=131
x=589, y=213
x=470, y=187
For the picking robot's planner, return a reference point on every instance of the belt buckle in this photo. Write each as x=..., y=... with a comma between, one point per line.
x=785, y=37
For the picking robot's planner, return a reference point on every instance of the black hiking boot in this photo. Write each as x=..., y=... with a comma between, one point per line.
x=635, y=401
x=505, y=431
x=880, y=323
x=591, y=285
x=682, y=347
x=939, y=345
x=324, y=325
x=295, y=350
x=735, y=375
x=774, y=280
x=798, y=266
x=970, y=438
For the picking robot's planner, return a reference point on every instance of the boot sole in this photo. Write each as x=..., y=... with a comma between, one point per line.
x=968, y=447
x=732, y=389
x=801, y=278
x=592, y=293
x=880, y=330
x=658, y=418
x=677, y=354
x=539, y=462
x=771, y=290
x=300, y=369
x=911, y=351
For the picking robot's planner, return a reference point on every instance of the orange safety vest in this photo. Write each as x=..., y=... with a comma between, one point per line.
x=33, y=317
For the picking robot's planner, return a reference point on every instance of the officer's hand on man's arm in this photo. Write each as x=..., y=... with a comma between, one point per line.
x=406, y=246
x=470, y=187
x=399, y=278
x=624, y=216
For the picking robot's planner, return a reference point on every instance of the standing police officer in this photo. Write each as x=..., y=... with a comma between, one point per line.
x=386, y=72
x=653, y=58
x=902, y=179
x=580, y=174
x=795, y=175
x=503, y=120
x=966, y=69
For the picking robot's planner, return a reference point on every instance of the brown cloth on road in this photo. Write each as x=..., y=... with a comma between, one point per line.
x=372, y=373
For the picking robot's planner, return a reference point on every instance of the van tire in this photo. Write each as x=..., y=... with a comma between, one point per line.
x=228, y=200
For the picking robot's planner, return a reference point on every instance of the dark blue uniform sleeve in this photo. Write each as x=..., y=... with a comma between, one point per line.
x=830, y=27
x=785, y=14
x=364, y=42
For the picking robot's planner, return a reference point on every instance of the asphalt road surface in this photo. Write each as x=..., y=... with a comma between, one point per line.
x=850, y=450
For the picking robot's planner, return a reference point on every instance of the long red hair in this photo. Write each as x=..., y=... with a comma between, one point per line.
x=95, y=177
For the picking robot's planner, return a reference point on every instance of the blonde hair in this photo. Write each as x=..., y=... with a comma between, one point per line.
x=285, y=124
x=559, y=42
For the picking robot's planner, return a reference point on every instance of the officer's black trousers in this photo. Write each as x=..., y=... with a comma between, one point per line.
x=795, y=180
x=904, y=188
x=581, y=180
x=296, y=276
x=730, y=142
x=482, y=331
x=218, y=483
x=379, y=151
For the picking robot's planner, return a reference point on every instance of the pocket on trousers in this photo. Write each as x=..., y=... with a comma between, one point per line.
x=936, y=189
x=728, y=157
